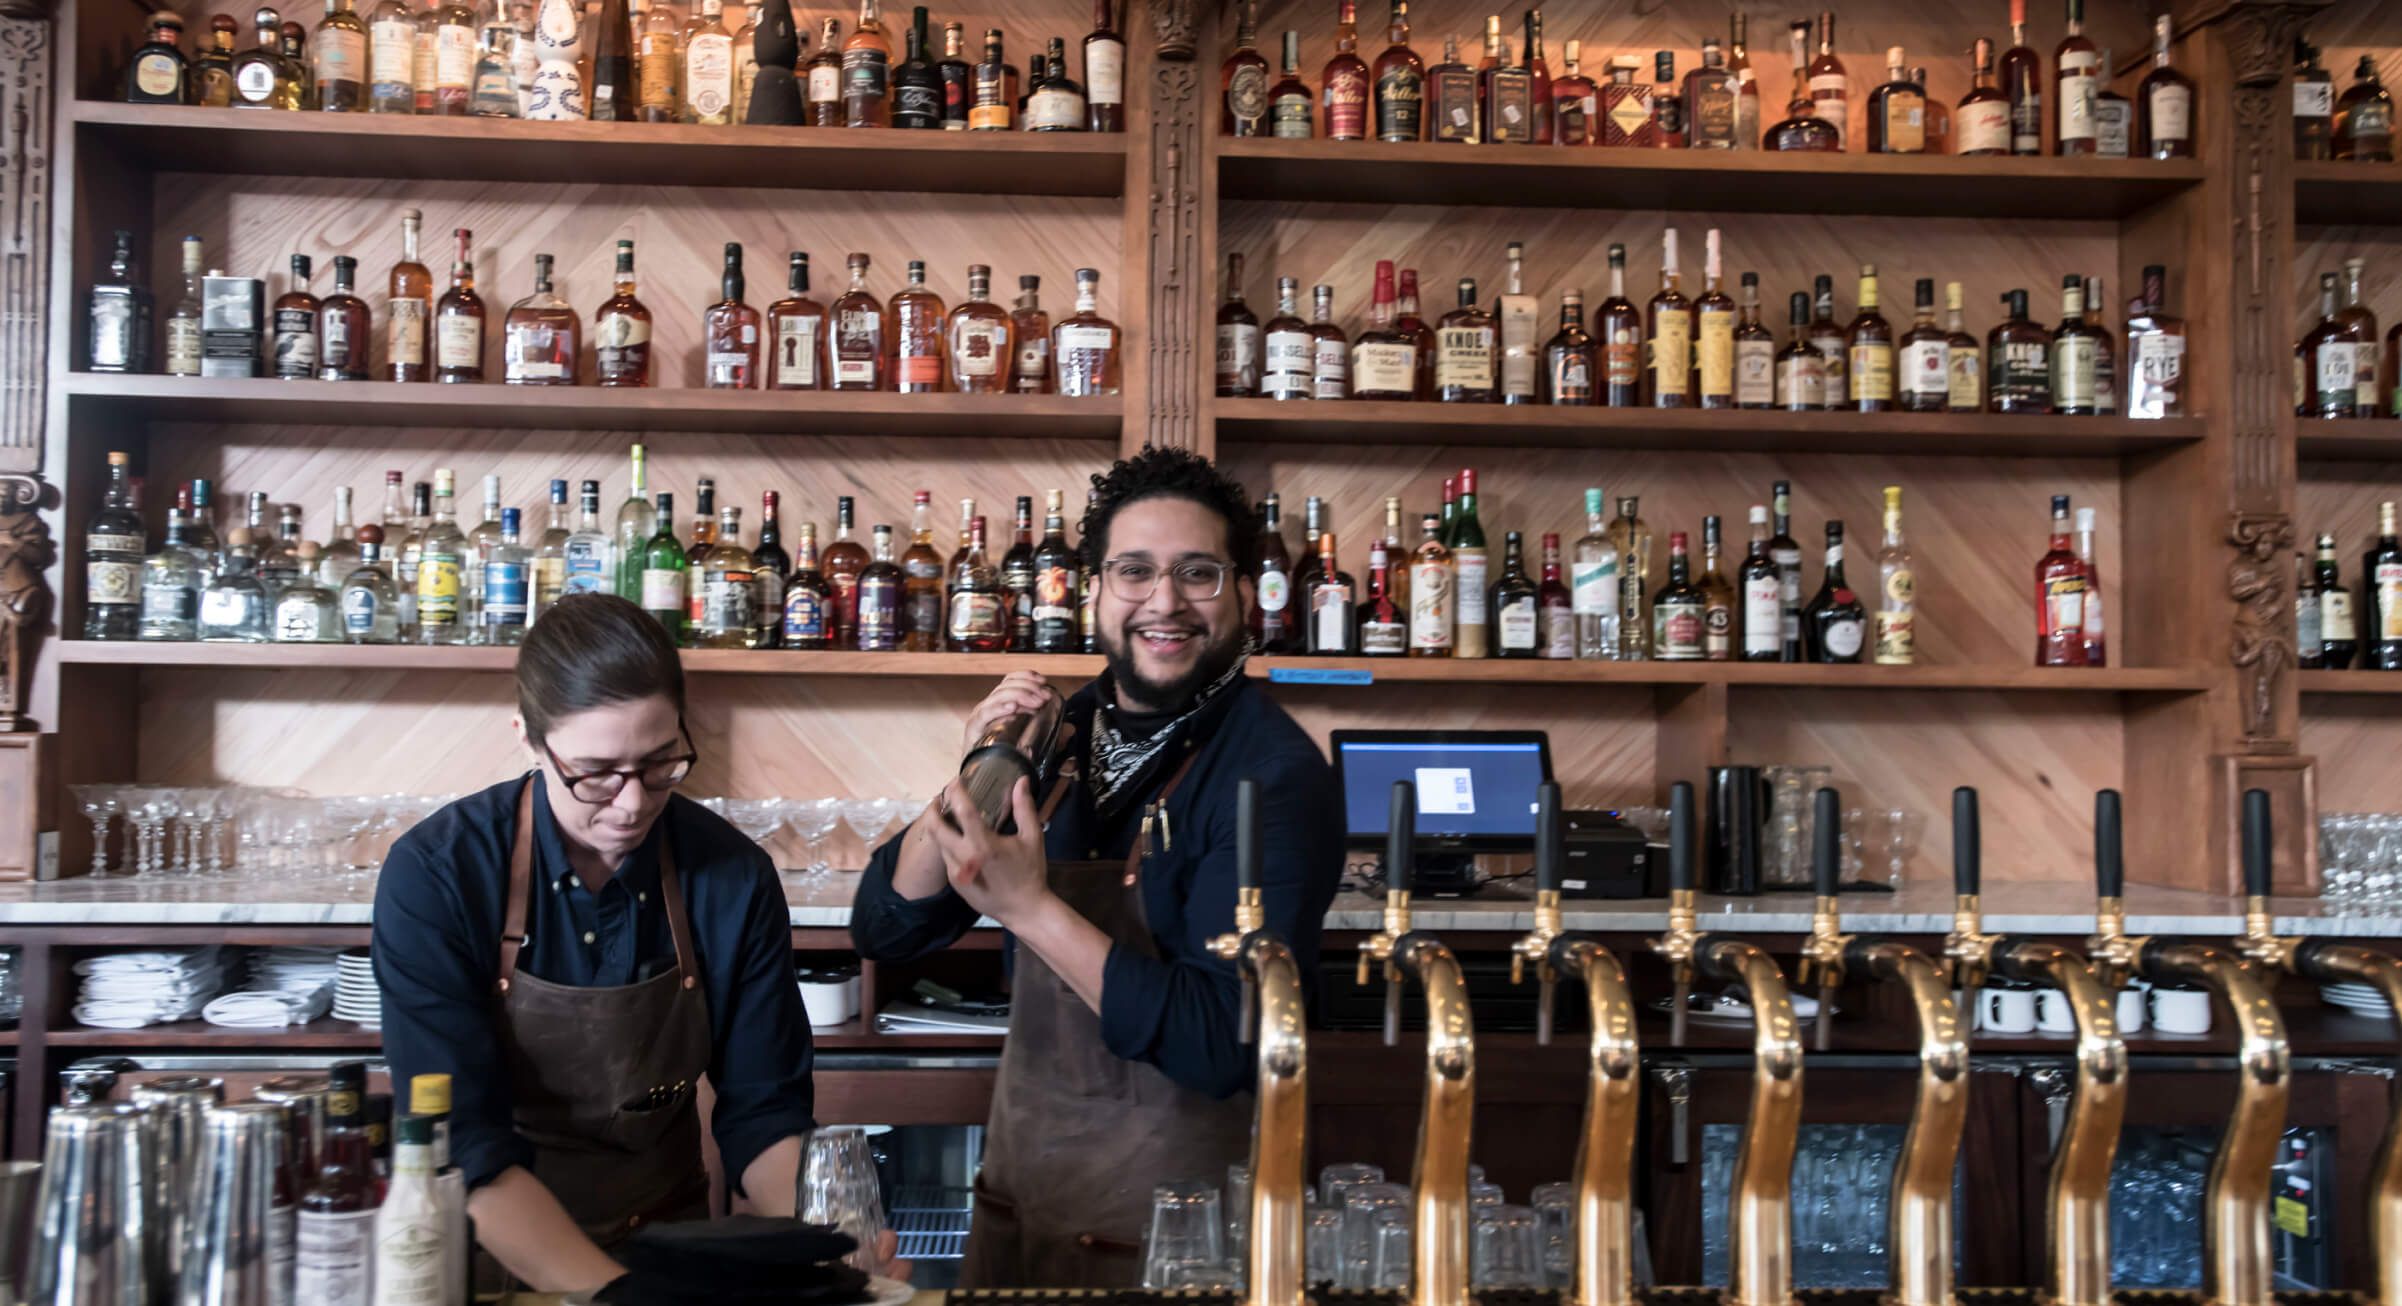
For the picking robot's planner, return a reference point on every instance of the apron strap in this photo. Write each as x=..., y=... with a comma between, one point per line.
x=1069, y=774
x=521, y=886
x=671, y=889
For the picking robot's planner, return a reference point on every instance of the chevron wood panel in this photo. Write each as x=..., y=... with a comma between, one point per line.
x=2353, y=737
x=2341, y=499
x=2320, y=249
x=2352, y=28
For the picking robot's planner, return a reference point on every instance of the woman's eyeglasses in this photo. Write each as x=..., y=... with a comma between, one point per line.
x=602, y=786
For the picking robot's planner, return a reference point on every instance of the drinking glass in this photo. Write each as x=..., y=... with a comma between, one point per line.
x=1792, y=791
x=1322, y=1245
x=1204, y=1278
x=1481, y=1193
x=101, y=805
x=1391, y=1244
x=1361, y=1202
x=1507, y=1248
x=1335, y=1178
x=814, y=819
x=1188, y=1227
x=839, y=1188
x=1238, y=1213
x=159, y=808
x=869, y=818
x=1895, y=832
x=757, y=818
x=1854, y=852
x=1555, y=1212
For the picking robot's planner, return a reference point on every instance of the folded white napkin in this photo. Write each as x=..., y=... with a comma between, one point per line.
x=268, y=1010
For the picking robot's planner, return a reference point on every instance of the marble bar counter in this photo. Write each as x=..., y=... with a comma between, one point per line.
x=824, y=902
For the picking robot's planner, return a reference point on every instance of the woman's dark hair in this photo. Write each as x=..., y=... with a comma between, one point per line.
x=1158, y=473
x=591, y=650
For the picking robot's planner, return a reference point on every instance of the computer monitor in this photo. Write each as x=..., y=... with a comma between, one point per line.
x=1476, y=788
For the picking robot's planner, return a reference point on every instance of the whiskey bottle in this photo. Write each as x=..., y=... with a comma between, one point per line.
x=1344, y=81
x=1412, y=325
x=771, y=568
x=459, y=320
x=1897, y=590
x=2059, y=597
x=1677, y=616
x=1593, y=590
x=2314, y=105
x=1897, y=110
x=995, y=91
x=1104, y=73
x=808, y=610
x=1630, y=539
x=1982, y=121
x=1575, y=101
x=1747, y=86
x=707, y=75
x=1925, y=361
x=1761, y=590
x=1399, y=82
x=114, y=549
x=1717, y=598
x=2022, y=86
x=1505, y=92
x=616, y=95
x=917, y=89
x=2105, y=368
x=866, y=66
x=845, y=562
x=921, y=582
x=158, y=72
x=796, y=330
x=730, y=332
x=1555, y=609
x=958, y=78
x=1238, y=343
x=1667, y=106
x=1785, y=552
x=1755, y=352
x=1030, y=374
x=342, y=327
x=2364, y=117
x=1832, y=342
x=409, y=309
x=1711, y=94
x=453, y=28
x=1291, y=115
x=1514, y=318
x=1058, y=583
x=212, y=71
x=120, y=314
x=1620, y=326
x=662, y=569
x=1451, y=97
x=1330, y=352
x=1713, y=333
x=1668, y=346
x=1516, y=619
x=1538, y=77
x=2076, y=351
x=621, y=330
x=2359, y=325
x=1055, y=103
x=1037, y=71
x=1869, y=345
x=260, y=76
x=979, y=614
x=2381, y=595
x=1433, y=591
x=294, y=342
x=729, y=589
x=1801, y=371
x=1568, y=357
x=1830, y=84
x=1964, y=361
x=696, y=557
x=1272, y=624
x=916, y=340
x=1467, y=352
x=1085, y=346
x=1288, y=345
x=2339, y=638
x=1017, y=578
x=979, y=338
x=858, y=352
x=2018, y=361
x=1243, y=79
x=1626, y=117
x=2076, y=81
x=542, y=338
x=1835, y=624
x=2164, y=103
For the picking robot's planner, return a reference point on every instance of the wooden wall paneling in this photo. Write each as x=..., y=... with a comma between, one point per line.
x=2351, y=28
x=2354, y=737
x=1691, y=736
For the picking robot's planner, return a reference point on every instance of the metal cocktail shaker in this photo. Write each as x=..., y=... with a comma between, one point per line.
x=97, y=1243
x=227, y=1259
x=305, y=1095
x=1014, y=747
x=177, y=1106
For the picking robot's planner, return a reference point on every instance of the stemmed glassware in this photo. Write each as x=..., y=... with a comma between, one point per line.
x=757, y=818
x=869, y=818
x=101, y=804
x=813, y=819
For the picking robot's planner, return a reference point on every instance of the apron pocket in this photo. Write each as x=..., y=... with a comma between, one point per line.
x=639, y=1125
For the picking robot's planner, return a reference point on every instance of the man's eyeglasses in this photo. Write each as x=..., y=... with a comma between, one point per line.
x=1198, y=580
x=603, y=786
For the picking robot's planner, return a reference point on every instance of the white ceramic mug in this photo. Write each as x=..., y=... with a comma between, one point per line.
x=2180, y=1011
x=2006, y=1011
x=2130, y=1010
x=2053, y=1014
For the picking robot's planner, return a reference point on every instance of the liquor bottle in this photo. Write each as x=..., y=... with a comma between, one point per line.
x=441, y=558
x=549, y=553
x=636, y=522
x=459, y=321
x=621, y=330
x=1761, y=593
x=541, y=336
x=2076, y=352
x=334, y=1237
x=120, y=314
x=2364, y=117
x=1830, y=83
x=661, y=566
x=305, y=610
x=1630, y=538
x=696, y=557
x=1568, y=357
x=1017, y=578
x=1677, y=616
x=1538, y=77
x=1056, y=584
x=844, y=562
x=2381, y=596
x=114, y=549
x=2105, y=358
x=1834, y=624
x=410, y=553
x=921, y=571
x=1717, y=598
x=1897, y=110
x=408, y=313
x=1291, y=114
x=211, y=75
x=2359, y=325
x=1755, y=352
x=771, y=569
x=1504, y=92
x=979, y=620
x=1384, y=617
x=1711, y=100
x=1575, y=101
x=1467, y=360
x=297, y=89
x=1472, y=569
x=2164, y=103
x=1593, y=593
x=1238, y=340
x=481, y=542
x=1667, y=107
x=1832, y=342
x=2022, y=86
x=1274, y=628
x=1332, y=604
x=796, y=327
x=369, y=601
x=917, y=89
x=1785, y=552
x=1514, y=318
x=506, y=590
x=1085, y=346
x=958, y=78
x=866, y=65
x=1620, y=326
x=2076, y=80
x=233, y=606
x=1801, y=370
x=824, y=76
x=615, y=95
x=2018, y=361
x=916, y=339
x=2060, y=597
x=1713, y=333
x=1055, y=103
x=1104, y=73
x=170, y=587
x=294, y=319
x=2339, y=638
x=1747, y=87
x=1555, y=608
x=2314, y=104
x=158, y=73
x=1668, y=344
x=1433, y=593
x=1384, y=358
x=1981, y=124
x=341, y=551
x=979, y=337
x=1925, y=357
x=1398, y=81
x=453, y=28
x=1330, y=352
x=1038, y=72
x=993, y=94
x=1451, y=97
x=391, y=58
x=588, y=562
x=730, y=332
x=2096, y=644
x=1243, y=79
x=806, y=617
x=1897, y=590
x=1964, y=361
x=259, y=72
x=492, y=88
x=706, y=77
x=1626, y=116
x=1517, y=620
x=859, y=350
x=338, y=60
x=1344, y=82
x=1869, y=343
x=2310, y=645
x=729, y=589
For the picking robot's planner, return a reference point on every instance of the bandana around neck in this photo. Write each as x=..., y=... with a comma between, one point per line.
x=1118, y=767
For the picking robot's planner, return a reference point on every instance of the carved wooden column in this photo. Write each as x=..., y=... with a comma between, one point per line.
x=1167, y=186
x=27, y=43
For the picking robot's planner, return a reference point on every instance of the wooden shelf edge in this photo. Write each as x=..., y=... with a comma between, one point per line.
x=325, y=1032
x=2364, y=440
x=2351, y=682
x=2329, y=192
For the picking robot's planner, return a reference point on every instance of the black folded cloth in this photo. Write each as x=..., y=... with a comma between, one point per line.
x=737, y=1261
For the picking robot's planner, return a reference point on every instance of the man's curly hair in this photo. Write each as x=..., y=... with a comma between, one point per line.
x=1158, y=473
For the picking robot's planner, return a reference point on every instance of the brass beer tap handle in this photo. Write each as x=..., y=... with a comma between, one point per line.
x=1677, y=944
x=1967, y=950
x=1760, y=1196
x=1822, y=955
x=2260, y=944
x=2112, y=954
x=1535, y=944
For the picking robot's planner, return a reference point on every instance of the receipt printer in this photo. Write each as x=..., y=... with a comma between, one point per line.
x=1607, y=858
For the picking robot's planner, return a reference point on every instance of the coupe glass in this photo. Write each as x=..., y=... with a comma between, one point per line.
x=159, y=807
x=757, y=818
x=813, y=819
x=101, y=805
x=869, y=818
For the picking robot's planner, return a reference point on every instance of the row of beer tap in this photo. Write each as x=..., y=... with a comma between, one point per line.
x=2236, y=1208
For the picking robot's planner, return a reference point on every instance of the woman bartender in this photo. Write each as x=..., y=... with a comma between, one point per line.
x=577, y=947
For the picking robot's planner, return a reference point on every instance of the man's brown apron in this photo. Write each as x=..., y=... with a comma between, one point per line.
x=603, y=1078
x=1078, y=1136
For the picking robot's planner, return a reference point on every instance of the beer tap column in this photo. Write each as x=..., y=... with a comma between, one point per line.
x=1605, y=1147
x=1277, y=1015
x=2327, y=961
x=1439, y=1176
x=2235, y=1210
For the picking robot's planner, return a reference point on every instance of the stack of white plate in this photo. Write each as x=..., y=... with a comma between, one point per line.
x=2359, y=999
x=356, y=998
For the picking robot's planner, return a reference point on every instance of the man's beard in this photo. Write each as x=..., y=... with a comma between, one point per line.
x=1172, y=695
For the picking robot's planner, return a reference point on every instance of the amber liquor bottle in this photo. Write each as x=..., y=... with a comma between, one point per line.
x=1538, y=78
x=1831, y=83
x=1332, y=600
x=1802, y=129
x=621, y=330
x=295, y=344
x=2364, y=117
x=2156, y=352
x=877, y=606
x=916, y=363
x=158, y=71
x=1619, y=325
x=1925, y=356
x=2314, y=105
x=859, y=334
x=1981, y=124
x=1030, y=326
x=993, y=106
x=1801, y=371
x=2076, y=83
x=2164, y=102
x=979, y=607
x=866, y=72
x=1272, y=616
x=809, y=606
x=1897, y=110
x=1104, y=73
x=2076, y=355
x=1238, y=361
x=1668, y=348
x=459, y=320
x=1755, y=352
x=1717, y=598
x=1626, y=119
x=1383, y=620
x=730, y=332
x=409, y=310
x=1243, y=80
x=2018, y=361
x=1710, y=102
x=1344, y=81
x=542, y=338
x=1506, y=94
x=1714, y=317
x=1831, y=341
x=1384, y=360
x=2060, y=597
x=980, y=346
x=1415, y=327
x=342, y=327
x=1451, y=97
x=1667, y=106
x=921, y=582
x=1468, y=349
x=2022, y=85
x=1569, y=360
x=1869, y=345
x=1330, y=350
x=1575, y=101
x=796, y=333
x=1962, y=356
x=845, y=559
x=2360, y=326
x=1433, y=593
x=958, y=78
x=1085, y=346
x=1399, y=83
x=1291, y=115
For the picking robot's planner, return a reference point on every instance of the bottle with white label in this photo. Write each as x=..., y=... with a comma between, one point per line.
x=336, y=1236
x=411, y=1252
x=796, y=333
x=1714, y=318
x=183, y=318
x=1332, y=602
x=542, y=338
x=2113, y=118
x=1288, y=360
x=1678, y=615
x=1433, y=593
x=1835, y=624
x=454, y=49
x=1383, y=621
x=1237, y=374
x=1755, y=352
x=2381, y=581
x=1516, y=621
x=2155, y=352
x=1760, y=597
x=1515, y=317
x=1330, y=352
x=1926, y=356
x=1897, y=590
x=1472, y=567
x=2076, y=354
x=978, y=339
x=2096, y=644
x=1085, y=345
x=1384, y=360
x=1630, y=537
x=2338, y=635
x=2164, y=103
x=1104, y=73
x=2076, y=83
x=2314, y=106
x=392, y=58
x=708, y=68
x=459, y=320
x=1593, y=585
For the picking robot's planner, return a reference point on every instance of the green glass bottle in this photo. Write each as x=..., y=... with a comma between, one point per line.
x=663, y=571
